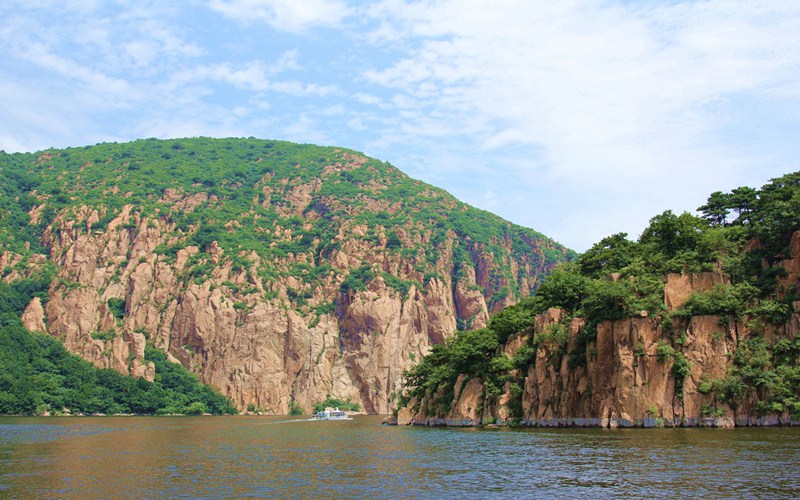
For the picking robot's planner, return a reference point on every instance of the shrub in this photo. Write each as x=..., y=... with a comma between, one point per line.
x=513, y=319
x=681, y=367
x=556, y=334
x=195, y=408
x=524, y=357
x=336, y=403
x=721, y=300
x=117, y=307
x=357, y=279
x=664, y=351
x=106, y=335
x=771, y=311
x=296, y=409
x=710, y=411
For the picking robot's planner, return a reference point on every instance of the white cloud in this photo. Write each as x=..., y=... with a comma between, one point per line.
x=97, y=81
x=579, y=119
x=150, y=32
x=143, y=52
x=613, y=98
x=302, y=128
x=285, y=15
x=367, y=98
x=256, y=76
x=253, y=76
x=34, y=119
x=302, y=89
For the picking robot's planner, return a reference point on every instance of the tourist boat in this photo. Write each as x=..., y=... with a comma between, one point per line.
x=331, y=414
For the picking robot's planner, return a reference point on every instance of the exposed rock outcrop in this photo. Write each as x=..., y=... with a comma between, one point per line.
x=629, y=376
x=680, y=286
x=279, y=273
x=625, y=383
x=255, y=350
x=33, y=317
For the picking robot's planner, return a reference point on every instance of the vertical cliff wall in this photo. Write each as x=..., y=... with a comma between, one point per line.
x=668, y=370
x=627, y=381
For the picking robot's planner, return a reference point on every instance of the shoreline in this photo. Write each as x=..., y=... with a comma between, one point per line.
x=607, y=423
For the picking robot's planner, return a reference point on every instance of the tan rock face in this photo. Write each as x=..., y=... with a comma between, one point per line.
x=33, y=317
x=8, y=260
x=468, y=403
x=14, y=267
x=628, y=377
x=240, y=333
x=791, y=281
x=680, y=286
x=625, y=382
x=470, y=303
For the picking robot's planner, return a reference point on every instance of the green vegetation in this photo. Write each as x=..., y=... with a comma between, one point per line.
x=474, y=353
x=744, y=234
x=288, y=207
x=334, y=403
x=247, y=193
x=770, y=371
x=15, y=296
x=117, y=307
x=37, y=374
x=295, y=408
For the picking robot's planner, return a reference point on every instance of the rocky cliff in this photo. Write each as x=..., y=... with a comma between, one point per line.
x=673, y=369
x=279, y=274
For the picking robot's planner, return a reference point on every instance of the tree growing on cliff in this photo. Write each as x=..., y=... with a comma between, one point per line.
x=745, y=235
x=716, y=209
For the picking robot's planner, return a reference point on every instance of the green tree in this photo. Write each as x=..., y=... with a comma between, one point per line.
x=611, y=254
x=743, y=201
x=565, y=288
x=196, y=408
x=670, y=234
x=717, y=208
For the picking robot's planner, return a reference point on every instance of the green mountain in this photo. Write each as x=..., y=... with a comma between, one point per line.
x=279, y=273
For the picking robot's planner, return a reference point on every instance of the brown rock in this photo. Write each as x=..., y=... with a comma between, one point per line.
x=33, y=317
x=465, y=410
x=680, y=286
x=255, y=349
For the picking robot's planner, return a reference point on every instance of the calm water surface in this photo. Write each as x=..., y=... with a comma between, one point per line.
x=223, y=457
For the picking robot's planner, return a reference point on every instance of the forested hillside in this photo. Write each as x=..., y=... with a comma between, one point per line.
x=252, y=204
x=695, y=319
x=279, y=273
x=38, y=376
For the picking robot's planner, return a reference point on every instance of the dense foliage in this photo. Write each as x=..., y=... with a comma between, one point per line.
x=252, y=188
x=473, y=353
x=38, y=375
x=331, y=402
x=744, y=234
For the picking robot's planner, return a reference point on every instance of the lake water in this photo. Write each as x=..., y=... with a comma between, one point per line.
x=224, y=457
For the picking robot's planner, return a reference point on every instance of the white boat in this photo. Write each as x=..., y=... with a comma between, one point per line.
x=331, y=414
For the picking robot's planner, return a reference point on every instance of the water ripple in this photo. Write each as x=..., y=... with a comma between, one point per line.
x=235, y=457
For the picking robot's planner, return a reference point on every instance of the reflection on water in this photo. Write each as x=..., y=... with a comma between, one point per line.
x=268, y=456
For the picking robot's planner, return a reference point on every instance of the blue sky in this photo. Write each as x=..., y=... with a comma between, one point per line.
x=578, y=119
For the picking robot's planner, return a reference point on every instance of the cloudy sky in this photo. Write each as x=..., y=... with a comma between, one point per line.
x=577, y=118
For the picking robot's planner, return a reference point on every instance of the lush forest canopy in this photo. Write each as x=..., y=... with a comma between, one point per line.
x=744, y=234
